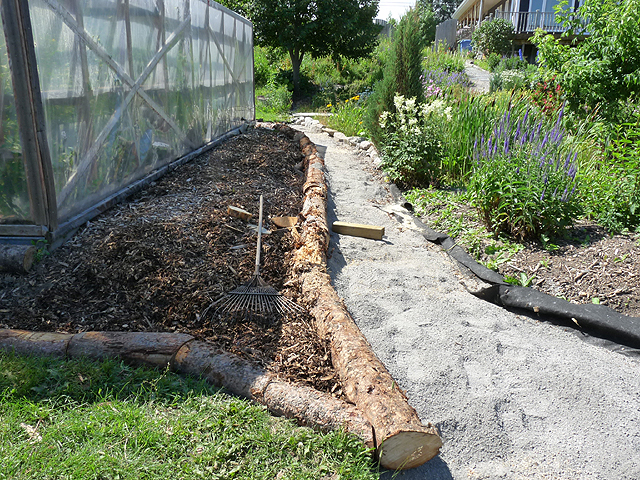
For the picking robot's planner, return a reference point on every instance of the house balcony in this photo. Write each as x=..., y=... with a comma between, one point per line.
x=528, y=22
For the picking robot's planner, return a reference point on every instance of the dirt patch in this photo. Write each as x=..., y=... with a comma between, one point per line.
x=156, y=262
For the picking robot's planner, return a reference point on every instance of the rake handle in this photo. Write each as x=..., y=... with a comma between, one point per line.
x=257, y=272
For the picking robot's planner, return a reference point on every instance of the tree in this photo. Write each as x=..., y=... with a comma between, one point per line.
x=428, y=21
x=603, y=68
x=494, y=36
x=316, y=27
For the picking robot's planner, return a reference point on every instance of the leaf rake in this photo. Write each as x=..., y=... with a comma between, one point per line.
x=256, y=295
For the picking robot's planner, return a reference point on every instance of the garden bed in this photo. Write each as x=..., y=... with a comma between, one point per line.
x=155, y=263
x=586, y=265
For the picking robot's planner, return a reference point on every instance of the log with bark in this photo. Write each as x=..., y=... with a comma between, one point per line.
x=17, y=258
x=402, y=441
x=184, y=354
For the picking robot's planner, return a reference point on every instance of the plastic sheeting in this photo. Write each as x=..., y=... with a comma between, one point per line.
x=14, y=197
x=130, y=85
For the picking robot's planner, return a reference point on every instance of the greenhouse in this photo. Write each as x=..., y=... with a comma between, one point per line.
x=100, y=96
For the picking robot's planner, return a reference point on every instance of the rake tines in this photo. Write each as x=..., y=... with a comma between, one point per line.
x=256, y=295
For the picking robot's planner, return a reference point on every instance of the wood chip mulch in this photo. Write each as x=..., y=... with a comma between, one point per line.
x=156, y=262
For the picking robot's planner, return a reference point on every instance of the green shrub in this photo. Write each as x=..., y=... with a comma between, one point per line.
x=494, y=36
x=412, y=151
x=602, y=71
x=613, y=193
x=524, y=182
x=441, y=59
x=273, y=102
x=493, y=60
x=402, y=73
x=508, y=80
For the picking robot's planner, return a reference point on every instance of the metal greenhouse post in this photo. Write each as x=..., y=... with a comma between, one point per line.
x=30, y=114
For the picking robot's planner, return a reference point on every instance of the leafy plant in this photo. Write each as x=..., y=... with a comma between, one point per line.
x=494, y=36
x=614, y=194
x=273, y=102
x=524, y=183
x=601, y=71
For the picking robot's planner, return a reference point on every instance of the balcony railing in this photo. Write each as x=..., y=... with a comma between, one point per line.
x=527, y=22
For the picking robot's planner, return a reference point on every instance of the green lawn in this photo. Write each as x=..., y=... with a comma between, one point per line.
x=80, y=419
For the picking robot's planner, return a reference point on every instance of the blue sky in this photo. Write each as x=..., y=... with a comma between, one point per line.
x=394, y=7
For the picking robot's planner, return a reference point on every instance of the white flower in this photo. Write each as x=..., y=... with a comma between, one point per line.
x=384, y=116
x=398, y=100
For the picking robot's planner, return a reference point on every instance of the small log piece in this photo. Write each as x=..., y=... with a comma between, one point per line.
x=284, y=222
x=17, y=258
x=50, y=344
x=402, y=441
x=238, y=213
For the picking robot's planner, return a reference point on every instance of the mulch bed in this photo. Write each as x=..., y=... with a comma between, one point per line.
x=158, y=261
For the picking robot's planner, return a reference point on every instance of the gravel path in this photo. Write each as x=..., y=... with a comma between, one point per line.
x=513, y=397
x=478, y=76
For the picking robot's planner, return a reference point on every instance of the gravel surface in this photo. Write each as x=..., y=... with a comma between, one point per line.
x=513, y=397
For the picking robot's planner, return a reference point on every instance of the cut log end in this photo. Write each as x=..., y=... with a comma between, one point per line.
x=17, y=258
x=409, y=449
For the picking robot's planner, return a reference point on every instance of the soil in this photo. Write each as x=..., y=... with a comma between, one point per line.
x=156, y=262
x=585, y=265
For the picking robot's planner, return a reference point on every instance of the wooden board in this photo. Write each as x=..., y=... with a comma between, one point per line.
x=357, y=230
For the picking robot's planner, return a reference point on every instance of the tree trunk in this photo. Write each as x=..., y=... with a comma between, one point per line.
x=296, y=60
x=17, y=258
x=402, y=441
x=186, y=355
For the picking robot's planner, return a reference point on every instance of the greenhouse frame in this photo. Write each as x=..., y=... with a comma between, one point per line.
x=100, y=97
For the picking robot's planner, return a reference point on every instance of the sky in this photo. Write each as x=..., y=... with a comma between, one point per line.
x=394, y=7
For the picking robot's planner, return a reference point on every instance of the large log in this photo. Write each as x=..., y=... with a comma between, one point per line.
x=185, y=355
x=304, y=404
x=402, y=440
x=17, y=258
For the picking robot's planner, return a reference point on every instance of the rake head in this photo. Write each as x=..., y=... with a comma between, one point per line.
x=256, y=296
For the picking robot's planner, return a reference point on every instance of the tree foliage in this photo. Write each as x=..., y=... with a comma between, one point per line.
x=340, y=28
x=602, y=68
x=402, y=72
x=494, y=36
x=428, y=21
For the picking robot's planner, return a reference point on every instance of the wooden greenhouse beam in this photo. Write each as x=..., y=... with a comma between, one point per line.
x=30, y=113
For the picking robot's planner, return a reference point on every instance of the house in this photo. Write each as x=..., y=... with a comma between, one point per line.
x=525, y=15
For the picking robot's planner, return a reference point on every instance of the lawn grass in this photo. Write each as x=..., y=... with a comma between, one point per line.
x=80, y=419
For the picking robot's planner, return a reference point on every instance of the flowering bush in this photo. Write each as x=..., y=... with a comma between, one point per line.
x=412, y=146
x=442, y=81
x=524, y=182
x=548, y=96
